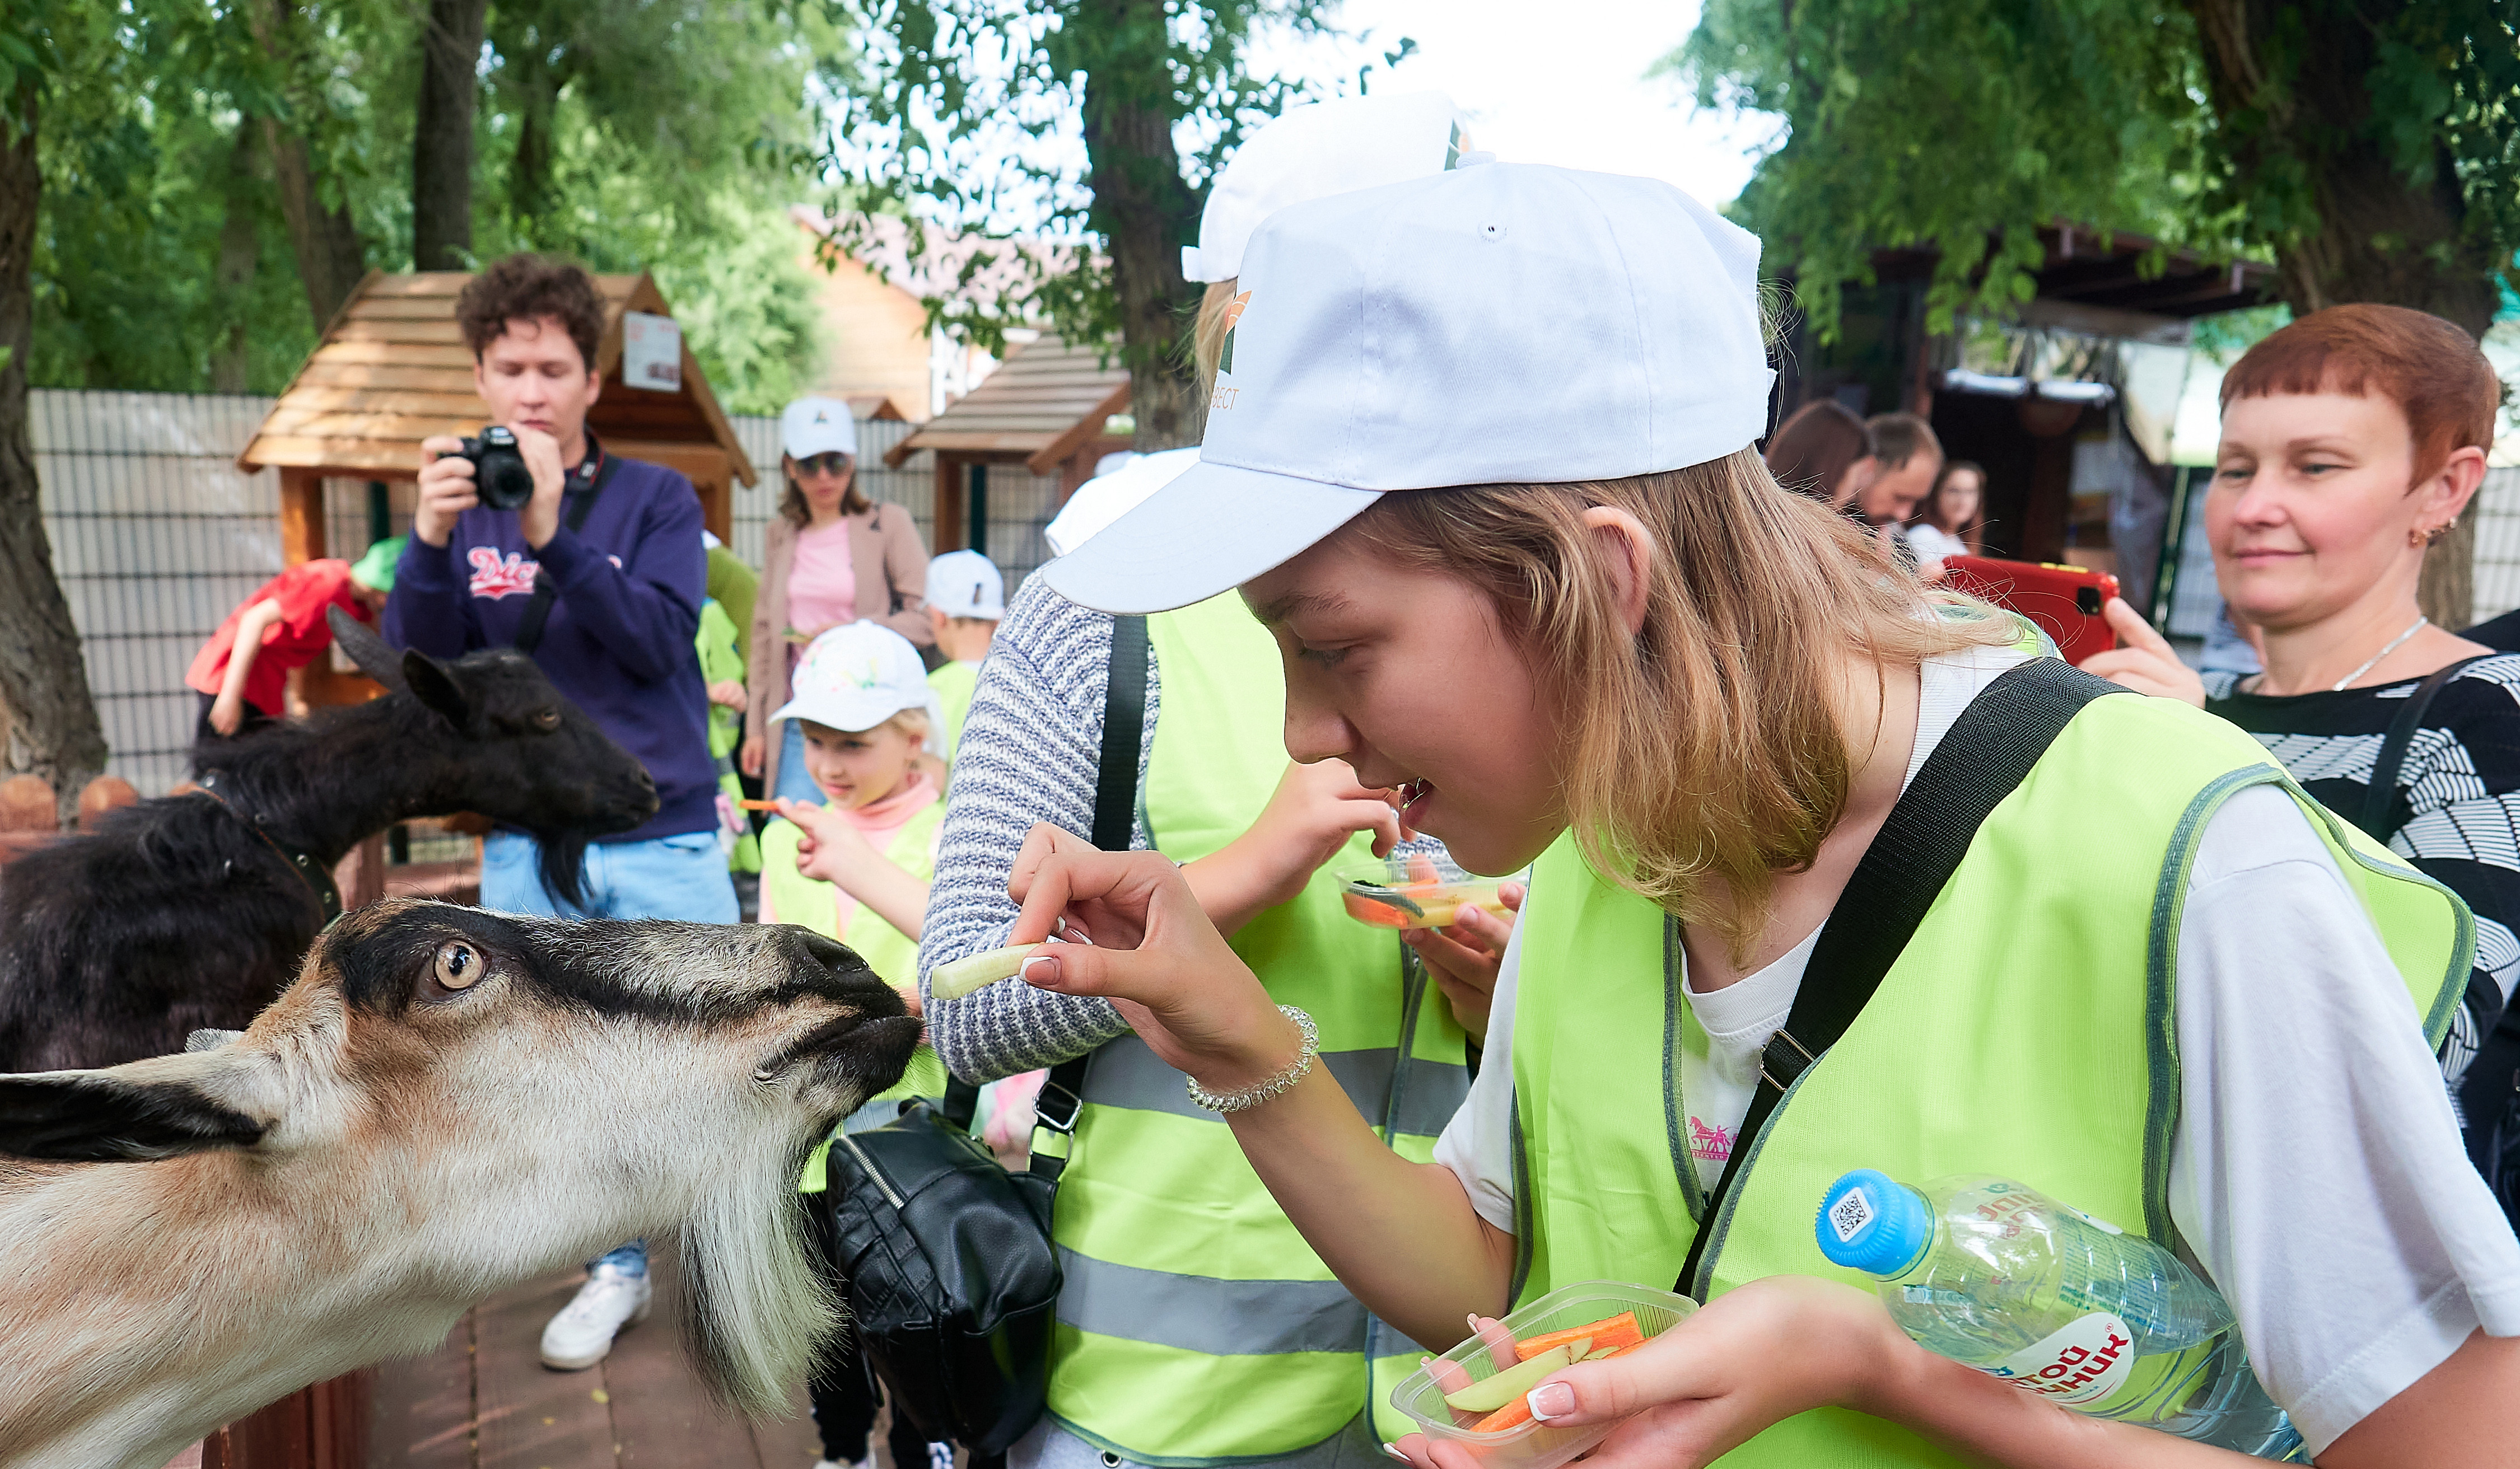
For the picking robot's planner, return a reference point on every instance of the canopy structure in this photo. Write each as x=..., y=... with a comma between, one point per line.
x=1048, y=407
x=392, y=369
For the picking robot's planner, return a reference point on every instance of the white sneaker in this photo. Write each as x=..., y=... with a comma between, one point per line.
x=581, y=1335
x=864, y=1463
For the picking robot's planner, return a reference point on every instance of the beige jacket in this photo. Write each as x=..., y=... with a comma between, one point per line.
x=891, y=566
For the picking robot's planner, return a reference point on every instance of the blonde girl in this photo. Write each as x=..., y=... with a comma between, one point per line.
x=2162, y=984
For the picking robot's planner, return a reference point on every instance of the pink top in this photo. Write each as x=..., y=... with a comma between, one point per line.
x=821, y=585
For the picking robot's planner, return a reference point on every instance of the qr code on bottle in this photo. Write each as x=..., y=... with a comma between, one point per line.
x=1850, y=1214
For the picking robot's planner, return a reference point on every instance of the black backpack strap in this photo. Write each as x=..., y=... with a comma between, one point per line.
x=1115, y=829
x=575, y=504
x=2380, y=801
x=1983, y=759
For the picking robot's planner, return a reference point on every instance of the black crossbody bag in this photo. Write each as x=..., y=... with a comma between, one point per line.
x=943, y=1257
x=1983, y=758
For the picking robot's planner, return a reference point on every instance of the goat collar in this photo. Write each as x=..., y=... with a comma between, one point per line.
x=317, y=880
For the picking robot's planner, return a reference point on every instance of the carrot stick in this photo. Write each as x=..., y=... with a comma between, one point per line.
x=1620, y=1330
x=749, y=804
x=1512, y=1415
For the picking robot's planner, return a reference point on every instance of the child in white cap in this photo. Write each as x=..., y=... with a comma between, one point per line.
x=966, y=599
x=1487, y=478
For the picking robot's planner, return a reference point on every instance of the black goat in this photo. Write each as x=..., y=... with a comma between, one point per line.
x=184, y=913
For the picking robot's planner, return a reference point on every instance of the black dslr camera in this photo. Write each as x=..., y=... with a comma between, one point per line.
x=499, y=473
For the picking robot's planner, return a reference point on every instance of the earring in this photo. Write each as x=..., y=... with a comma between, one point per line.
x=2416, y=537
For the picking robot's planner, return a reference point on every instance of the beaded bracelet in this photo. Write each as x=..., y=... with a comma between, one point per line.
x=1252, y=1096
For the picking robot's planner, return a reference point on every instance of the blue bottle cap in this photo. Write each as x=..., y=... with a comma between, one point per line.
x=1870, y=1222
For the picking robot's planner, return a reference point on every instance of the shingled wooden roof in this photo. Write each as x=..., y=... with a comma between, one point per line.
x=392, y=369
x=1044, y=402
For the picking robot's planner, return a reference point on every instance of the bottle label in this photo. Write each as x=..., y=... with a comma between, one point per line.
x=2083, y=1362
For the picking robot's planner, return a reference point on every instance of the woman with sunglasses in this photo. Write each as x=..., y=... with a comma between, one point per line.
x=831, y=556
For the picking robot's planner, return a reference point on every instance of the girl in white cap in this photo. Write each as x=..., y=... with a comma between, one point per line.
x=1196, y=1327
x=1485, y=473
x=831, y=556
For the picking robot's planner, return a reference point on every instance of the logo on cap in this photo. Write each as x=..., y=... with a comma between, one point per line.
x=821, y=416
x=1232, y=320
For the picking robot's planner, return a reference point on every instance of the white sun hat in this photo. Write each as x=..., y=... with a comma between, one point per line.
x=1314, y=150
x=967, y=584
x=1509, y=323
x=855, y=677
x=1106, y=497
x=818, y=425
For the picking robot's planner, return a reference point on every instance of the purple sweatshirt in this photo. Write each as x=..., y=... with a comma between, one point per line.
x=620, y=642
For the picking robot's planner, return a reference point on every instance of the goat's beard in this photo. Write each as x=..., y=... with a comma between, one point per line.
x=561, y=857
x=755, y=1312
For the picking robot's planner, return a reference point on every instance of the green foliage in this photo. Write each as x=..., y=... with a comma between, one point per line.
x=1966, y=124
x=966, y=117
x=671, y=135
x=1960, y=125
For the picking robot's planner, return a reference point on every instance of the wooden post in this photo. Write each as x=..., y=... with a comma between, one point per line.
x=949, y=501
x=361, y=875
x=301, y=514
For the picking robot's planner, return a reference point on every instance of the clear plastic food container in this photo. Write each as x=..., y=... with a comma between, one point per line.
x=1531, y=1443
x=1414, y=892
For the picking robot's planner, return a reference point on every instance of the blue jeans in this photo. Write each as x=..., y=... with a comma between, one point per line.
x=682, y=877
x=793, y=782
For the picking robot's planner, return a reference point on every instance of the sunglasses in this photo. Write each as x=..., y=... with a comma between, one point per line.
x=832, y=462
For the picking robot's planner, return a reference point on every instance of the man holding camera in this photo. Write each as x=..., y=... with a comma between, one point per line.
x=592, y=565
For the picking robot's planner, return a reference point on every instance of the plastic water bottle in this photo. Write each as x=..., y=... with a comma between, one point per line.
x=1999, y=1276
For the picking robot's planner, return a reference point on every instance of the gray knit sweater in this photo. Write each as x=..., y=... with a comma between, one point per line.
x=1030, y=751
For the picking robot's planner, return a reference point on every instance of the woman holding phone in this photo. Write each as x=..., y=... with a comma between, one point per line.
x=1483, y=469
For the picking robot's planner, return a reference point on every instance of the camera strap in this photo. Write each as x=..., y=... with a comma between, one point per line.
x=575, y=502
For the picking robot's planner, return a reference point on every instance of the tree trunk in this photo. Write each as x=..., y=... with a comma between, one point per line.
x=330, y=256
x=232, y=274
x=1145, y=212
x=531, y=193
x=441, y=139
x=2291, y=85
x=47, y=717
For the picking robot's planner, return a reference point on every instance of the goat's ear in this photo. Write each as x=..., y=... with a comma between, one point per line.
x=368, y=650
x=99, y=1117
x=434, y=685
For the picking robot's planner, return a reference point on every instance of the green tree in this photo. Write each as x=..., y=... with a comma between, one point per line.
x=48, y=724
x=2372, y=149
x=961, y=121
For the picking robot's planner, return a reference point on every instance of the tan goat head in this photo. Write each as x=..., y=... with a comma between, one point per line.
x=446, y=1103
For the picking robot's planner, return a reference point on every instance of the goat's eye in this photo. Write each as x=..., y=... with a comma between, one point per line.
x=547, y=721
x=458, y=965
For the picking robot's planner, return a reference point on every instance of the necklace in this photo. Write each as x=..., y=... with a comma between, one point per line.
x=2395, y=643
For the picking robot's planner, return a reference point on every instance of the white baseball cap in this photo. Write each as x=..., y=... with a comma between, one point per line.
x=1112, y=494
x=1509, y=323
x=818, y=425
x=855, y=677
x=1314, y=150
x=967, y=584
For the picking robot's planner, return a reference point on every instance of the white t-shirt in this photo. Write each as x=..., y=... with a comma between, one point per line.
x=2316, y=1170
x=1932, y=542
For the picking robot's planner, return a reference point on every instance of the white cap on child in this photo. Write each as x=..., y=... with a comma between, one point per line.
x=858, y=675
x=967, y=584
x=818, y=425
x=1320, y=148
x=1509, y=323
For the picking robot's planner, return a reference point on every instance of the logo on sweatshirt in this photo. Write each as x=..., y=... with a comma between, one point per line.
x=495, y=575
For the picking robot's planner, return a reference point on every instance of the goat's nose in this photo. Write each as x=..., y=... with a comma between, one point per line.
x=830, y=953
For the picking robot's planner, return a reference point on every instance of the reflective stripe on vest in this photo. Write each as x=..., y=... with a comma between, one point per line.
x=2029, y=1029
x=1196, y=1327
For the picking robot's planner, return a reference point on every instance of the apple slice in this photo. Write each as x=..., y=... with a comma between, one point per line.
x=977, y=971
x=1489, y=1394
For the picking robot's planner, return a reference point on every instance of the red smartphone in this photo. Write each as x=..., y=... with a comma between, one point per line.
x=2065, y=602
